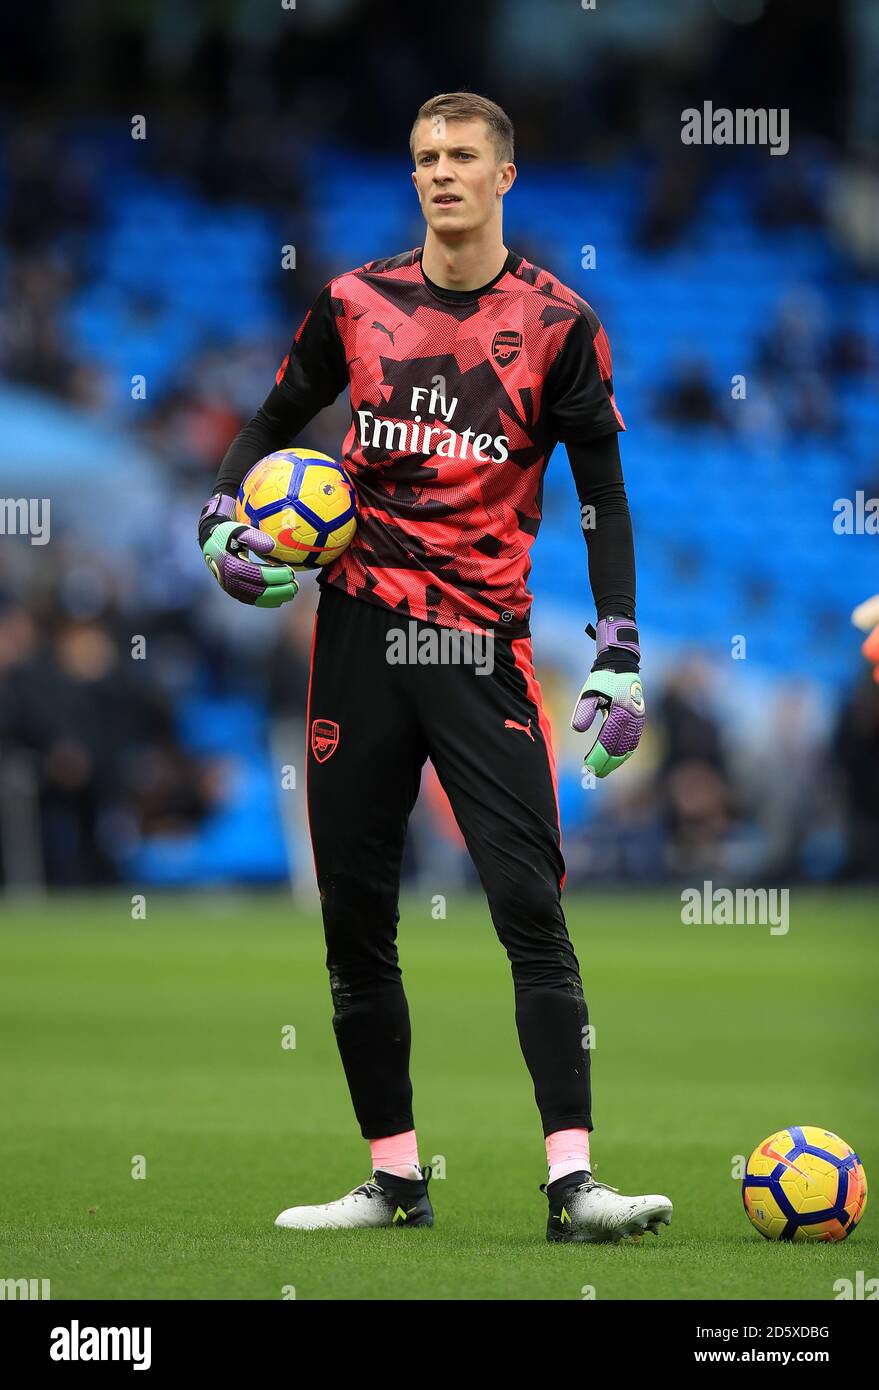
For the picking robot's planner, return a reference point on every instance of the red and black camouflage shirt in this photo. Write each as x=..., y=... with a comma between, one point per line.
x=458, y=399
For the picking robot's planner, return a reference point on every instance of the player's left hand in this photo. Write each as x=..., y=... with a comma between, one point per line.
x=617, y=695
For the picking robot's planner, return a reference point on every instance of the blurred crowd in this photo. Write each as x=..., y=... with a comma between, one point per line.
x=94, y=764
x=801, y=359
x=93, y=760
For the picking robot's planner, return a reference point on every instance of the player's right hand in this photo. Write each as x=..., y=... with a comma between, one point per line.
x=224, y=545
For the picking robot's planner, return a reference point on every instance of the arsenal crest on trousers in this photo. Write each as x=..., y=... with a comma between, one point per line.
x=324, y=738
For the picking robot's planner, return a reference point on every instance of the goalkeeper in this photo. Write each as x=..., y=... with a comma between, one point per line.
x=466, y=366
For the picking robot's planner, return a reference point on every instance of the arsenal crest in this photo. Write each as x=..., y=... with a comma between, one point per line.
x=324, y=738
x=506, y=346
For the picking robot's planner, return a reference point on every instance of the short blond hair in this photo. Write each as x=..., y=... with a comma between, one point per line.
x=468, y=106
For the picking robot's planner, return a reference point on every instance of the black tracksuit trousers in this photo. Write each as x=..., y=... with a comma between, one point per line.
x=371, y=724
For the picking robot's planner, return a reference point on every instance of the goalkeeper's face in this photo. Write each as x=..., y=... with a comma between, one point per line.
x=457, y=176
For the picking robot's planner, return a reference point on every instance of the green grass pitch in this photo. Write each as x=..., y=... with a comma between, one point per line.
x=163, y=1038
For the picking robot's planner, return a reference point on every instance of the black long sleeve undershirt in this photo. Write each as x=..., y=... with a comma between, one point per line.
x=598, y=476
x=274, y=426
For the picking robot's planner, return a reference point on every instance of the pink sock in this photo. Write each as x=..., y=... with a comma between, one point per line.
x=567, y=1151
x=397, y=1154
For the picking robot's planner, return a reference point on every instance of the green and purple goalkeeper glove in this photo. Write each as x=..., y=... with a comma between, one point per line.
x=224, y=545
x=613, y=689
